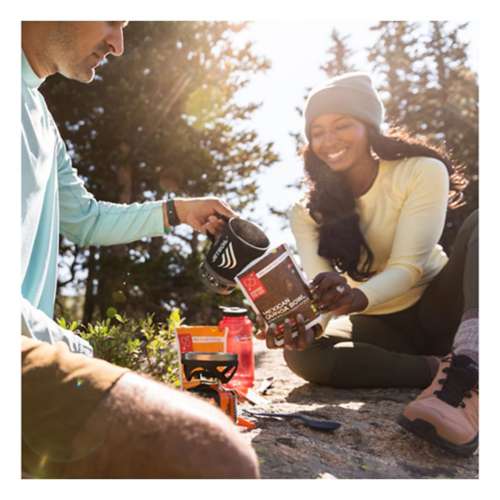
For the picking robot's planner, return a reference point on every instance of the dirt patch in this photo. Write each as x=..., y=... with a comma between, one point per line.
x=369, y=443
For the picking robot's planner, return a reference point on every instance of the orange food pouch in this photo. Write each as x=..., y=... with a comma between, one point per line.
x=198, y=338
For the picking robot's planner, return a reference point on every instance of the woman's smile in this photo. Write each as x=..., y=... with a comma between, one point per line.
x=338, y=155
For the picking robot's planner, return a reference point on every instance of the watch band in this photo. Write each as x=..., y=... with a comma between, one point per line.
x=172, y=217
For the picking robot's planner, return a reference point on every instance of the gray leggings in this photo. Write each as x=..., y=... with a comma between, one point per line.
x=390, y=350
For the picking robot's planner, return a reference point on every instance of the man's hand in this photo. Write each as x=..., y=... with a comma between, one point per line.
x=201, y=213
x=332, y=293
x=274, y=340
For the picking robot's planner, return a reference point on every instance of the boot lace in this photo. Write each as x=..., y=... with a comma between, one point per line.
x=461, y=379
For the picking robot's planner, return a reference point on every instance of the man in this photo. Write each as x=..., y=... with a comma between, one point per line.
x=83, y=417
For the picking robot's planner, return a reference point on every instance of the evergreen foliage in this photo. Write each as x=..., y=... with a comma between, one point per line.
x=160, y=119
x=429, y=89
x=142, y=345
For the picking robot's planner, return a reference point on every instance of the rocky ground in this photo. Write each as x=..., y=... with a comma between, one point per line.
x=369, y=443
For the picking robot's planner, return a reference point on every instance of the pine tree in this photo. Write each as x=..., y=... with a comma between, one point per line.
x=452, y=102
x=394, y=58
x=430, y=90
x=161, y=119
x=340, y=56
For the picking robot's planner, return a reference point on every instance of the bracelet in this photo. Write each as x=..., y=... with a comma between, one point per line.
x=172, y=217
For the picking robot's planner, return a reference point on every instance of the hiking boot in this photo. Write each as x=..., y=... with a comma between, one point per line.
x=446, y=412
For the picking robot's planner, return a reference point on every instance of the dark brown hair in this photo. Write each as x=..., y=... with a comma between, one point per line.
x=332, y=204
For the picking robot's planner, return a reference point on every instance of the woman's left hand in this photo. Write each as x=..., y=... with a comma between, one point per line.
x=332, y=294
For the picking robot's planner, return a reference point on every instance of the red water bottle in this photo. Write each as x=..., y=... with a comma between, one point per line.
x=240, y=342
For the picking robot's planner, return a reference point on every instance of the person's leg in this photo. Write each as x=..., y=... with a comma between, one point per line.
x=362, y=351
x=448, y=310
x=127, y=426
x=466, y=341
x=59, y=391
x=161, y=433
x=446, y=413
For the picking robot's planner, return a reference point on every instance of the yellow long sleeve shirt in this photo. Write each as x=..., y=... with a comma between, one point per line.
x=402, y=218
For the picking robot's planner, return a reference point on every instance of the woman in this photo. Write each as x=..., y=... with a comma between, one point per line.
x=367, y=234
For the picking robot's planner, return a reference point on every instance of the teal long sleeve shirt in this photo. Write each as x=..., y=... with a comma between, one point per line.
x=55, y=201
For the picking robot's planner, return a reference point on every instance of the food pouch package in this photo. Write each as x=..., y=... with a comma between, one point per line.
x=277, y=289
x=198, y=338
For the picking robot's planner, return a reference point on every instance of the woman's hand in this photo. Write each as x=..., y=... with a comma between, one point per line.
x=331, y=293
x=299, y=340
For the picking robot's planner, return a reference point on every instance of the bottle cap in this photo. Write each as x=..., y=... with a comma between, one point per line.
x=233, y=311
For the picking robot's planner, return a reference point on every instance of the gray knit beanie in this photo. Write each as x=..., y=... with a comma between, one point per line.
x=348, y=94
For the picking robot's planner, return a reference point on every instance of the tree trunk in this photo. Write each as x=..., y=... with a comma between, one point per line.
x=88, y=308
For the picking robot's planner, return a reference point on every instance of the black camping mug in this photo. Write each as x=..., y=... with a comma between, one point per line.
x=240, y=243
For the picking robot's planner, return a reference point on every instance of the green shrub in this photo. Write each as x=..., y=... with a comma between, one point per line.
x=142, y=345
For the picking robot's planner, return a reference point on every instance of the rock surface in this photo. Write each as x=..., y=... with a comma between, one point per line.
x=369, y=443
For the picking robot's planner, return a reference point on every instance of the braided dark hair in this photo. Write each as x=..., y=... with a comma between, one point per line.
x=332, y=204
